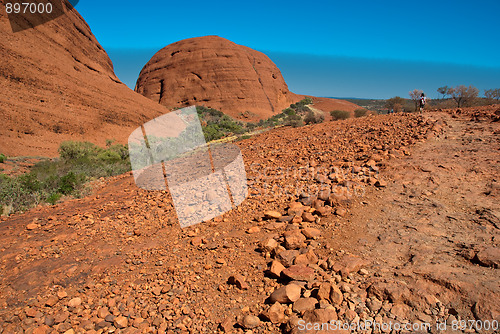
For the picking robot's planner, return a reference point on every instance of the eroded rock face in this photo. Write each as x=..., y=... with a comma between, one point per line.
x=217, y=73
x=57, y=83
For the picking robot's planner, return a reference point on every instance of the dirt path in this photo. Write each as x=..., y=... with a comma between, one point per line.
x=435, y=229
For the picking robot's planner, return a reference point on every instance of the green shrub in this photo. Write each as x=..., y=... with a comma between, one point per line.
x=49, y=179
x=72, y=150
x=339, y=114
x=70, y=182
x=53, y=198
x=2, y=158
x=29, y=182
x=360, y=112
x=109, y=156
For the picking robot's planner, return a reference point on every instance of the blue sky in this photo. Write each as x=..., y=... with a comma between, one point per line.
x=374, y=49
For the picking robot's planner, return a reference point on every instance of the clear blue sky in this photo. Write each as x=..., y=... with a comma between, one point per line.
x=325, y=48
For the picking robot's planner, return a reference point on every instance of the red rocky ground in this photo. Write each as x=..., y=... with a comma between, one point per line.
x=389, y=218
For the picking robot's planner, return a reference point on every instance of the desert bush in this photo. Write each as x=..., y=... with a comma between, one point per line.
x=73, y=150
x=53, y=198
x=2, y=158
x=360, y=112
x=339, y=114
x=49, y=180
x=312, y=118
x=216, y=125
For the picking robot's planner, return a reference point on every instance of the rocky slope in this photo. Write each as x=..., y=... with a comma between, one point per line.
x=218, y=73
x=390, y=218
x=57, y=84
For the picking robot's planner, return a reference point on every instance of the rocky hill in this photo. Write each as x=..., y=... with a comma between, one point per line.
x=57, y=84
x=389, y=219
x=220, y=74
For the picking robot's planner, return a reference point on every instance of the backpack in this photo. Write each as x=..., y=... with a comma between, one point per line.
x=422, y=101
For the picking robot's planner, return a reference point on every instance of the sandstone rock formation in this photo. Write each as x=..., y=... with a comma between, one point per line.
x=58, y=84
x=217, y=73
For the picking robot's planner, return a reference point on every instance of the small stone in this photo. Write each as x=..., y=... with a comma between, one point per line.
x=62, y=294
x=70, y=331
x=249, y=321
x=102, y=312
x=227, y=325
x=323, y=211
x=306, y=258
x=61, y=317
x=30, y=312
x=41, y=330
x=75, y=302
x=239, y=281
x=311, y=233
x=197, y=241
x=401, y=311
x=51, y=301
x=381, y=184
x=363, y=272
x=324, y=194
x=340, y=211
x=320, y=315
x=336, y=296
x=299, y=272
x=489, y=257
x=110, y=318
x=304, y=304
x=157, y=290
x=287, y=257
x=286, y=294
x=350, y=315
x=275, y=314
x=275, y=269
x=268, y=245
x=103, y=324
x=308, y=217
x=49, y=321
x=32, y=226
x=294, y=239
x=253, y=229
x=324, y=291
x=285, y=219
x=374, y=304
x=120, y=322
x=272, y=214
x=349, y=264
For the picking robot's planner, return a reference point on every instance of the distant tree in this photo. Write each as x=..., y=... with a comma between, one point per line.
x=415, y=96
x=493, y=95
x=395, y=103
x=464, y=96
x=443, y=91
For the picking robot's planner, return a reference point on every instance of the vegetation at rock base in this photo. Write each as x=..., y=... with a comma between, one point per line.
x=68, y=175
x=360, y=112
x=339, y=114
